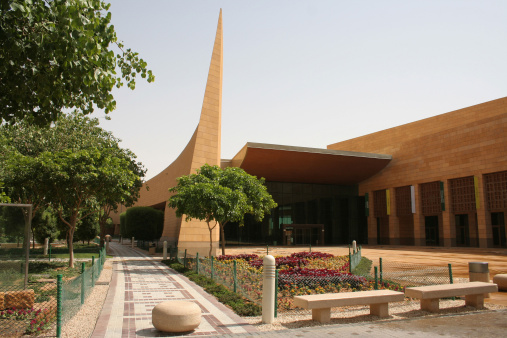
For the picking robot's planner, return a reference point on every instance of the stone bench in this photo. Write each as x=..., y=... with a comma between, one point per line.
x=176, y=316
x=321, y=304
x=431, y=294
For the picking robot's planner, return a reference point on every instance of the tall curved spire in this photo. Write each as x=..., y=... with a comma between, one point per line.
x=209, y=130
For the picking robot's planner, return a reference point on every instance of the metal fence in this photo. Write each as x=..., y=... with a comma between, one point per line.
x=409, y=275
x=247, y=280
x=45, y=304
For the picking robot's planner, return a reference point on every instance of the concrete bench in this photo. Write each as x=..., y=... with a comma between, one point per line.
x=430, y=295
x=321, y=304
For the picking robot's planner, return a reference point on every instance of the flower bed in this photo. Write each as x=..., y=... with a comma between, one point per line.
x=302, y=273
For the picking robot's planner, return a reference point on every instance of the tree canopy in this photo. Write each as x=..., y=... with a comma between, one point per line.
x=220, y=196
x=75, y=166
x=58, y=54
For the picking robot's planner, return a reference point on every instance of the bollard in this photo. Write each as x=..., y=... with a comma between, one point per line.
x=479, y=272
x=354, y=246
x=132, y=243
x=107, y=244
x=165, y=251
x=268, y=290
x=46, y=243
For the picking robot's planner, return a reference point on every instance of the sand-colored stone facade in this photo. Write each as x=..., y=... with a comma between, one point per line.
x=453, y=148
x=440, y=181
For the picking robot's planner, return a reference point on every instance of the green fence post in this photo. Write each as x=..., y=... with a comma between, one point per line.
x=197, y=263
x=350, y=262
x=100, y=261
x=376, y=279
x=450, y=277
x=381, y=271
x=185, y=259
x=212, y=272
x=310, y=252
x=235, y=277
x=59, y=305
x=267, y=249
x=82, y=283
x=276, y=293
x=93, y=270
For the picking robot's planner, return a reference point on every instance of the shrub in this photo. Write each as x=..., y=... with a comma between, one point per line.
x=123, y=225
x=144, y=223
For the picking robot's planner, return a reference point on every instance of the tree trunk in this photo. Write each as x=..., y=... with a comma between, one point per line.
x=210, y=240
x=71, y=247
x=222, y=235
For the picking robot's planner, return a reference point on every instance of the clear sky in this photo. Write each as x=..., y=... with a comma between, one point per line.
x=304, y=73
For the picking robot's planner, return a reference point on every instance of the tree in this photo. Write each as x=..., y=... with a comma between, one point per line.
x=220, y=196
x=44, y=225
x=76, y=167
x=13, y=223
x=59, y=54
x=88, y=228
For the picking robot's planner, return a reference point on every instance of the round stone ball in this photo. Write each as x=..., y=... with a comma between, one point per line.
x=176, y=316
x=501, y=281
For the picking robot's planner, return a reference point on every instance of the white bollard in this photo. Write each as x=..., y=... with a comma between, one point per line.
x=132, y=244
x=268, y=290
x=46, y=243
x=165, y=250
x=354, y=246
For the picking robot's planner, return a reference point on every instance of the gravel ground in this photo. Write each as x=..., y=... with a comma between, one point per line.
x=83, y=323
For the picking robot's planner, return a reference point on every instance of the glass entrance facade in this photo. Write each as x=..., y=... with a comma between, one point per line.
x=338, y=208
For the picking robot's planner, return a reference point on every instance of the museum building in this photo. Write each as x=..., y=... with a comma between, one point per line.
x=441, y=181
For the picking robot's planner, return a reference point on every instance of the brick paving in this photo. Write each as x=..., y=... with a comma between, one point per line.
x=139, y=283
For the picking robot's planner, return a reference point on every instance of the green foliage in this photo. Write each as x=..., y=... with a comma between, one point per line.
x=12, y=222
x=44, y=225
x=87, y=229
x=363, y=268
x=58, y=54
x=239, y=304
x=221, y=196
x=75, y=166
x=123, y=225
x=3, y=197
x=144, y=223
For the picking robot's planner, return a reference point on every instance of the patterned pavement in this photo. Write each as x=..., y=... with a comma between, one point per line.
x=140, y=282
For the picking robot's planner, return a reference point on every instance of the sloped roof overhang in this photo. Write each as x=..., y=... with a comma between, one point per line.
x=281, y=163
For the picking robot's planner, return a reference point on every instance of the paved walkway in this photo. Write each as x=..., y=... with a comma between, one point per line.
x=140, y=282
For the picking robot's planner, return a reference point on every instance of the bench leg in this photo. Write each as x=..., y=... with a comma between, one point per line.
x=430, y=305
x=321, y=315
x=381, y=310
x=477, y=301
